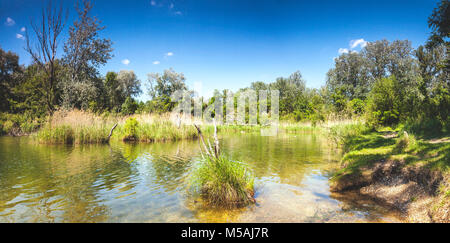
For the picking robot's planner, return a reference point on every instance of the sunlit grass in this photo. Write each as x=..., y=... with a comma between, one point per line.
x=223, y=182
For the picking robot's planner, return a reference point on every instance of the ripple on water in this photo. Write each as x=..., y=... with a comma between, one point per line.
x=147, y=183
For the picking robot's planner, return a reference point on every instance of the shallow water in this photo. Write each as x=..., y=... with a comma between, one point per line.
x=148, y=182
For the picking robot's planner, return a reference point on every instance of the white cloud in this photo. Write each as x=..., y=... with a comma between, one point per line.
x=178, y=13
x=171, y=5
x=153, y=3
x=126, y=61
x=359, y=42
x=342, y=50
x=19, y=36
x=156, y=62
x=23, y=29
x=10, y=22
x=169, y=54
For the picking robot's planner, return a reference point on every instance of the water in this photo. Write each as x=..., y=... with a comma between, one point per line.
x=148, y=182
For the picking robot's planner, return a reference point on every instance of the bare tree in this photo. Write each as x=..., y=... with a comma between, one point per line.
x=47, y=34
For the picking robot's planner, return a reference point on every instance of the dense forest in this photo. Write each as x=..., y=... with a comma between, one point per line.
x=386, y=83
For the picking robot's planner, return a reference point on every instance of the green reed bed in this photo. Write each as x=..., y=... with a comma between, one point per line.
x=156, y=131
x=66, y=134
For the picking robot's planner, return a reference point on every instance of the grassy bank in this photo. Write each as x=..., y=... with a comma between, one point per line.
x=396, y=167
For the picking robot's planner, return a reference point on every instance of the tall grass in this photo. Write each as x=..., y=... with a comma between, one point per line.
x=220, y=181
x=69, y=127
x=344, y=134
x=154, y=131
x=80, y=127
x=223, y=182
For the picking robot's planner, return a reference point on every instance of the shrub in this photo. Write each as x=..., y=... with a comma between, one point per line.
x=383, y=104
x=356, y=106
x=130, y=128
x=8, y=126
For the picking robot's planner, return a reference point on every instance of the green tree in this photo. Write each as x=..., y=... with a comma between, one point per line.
x=10, y=71
x=383, y=103
x=350, y=76
x=85, y=51
x=162, y=86
x=129, y=106
x=290, y=88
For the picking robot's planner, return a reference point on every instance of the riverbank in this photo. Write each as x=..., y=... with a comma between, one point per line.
x=82, y=127
x=411, y=175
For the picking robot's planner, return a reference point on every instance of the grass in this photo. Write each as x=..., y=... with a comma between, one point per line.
x=363, y=147
x=220, y=181
x=223, y=182
x=79, y=127
x=75, y=127
x=155, y=131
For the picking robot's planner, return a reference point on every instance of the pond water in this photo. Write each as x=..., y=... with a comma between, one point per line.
x=148, y=182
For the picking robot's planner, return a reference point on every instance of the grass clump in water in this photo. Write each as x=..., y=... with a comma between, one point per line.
x=220, y=181
x=223, y=182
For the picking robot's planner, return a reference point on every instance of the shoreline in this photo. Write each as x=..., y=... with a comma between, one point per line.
x=414, y=181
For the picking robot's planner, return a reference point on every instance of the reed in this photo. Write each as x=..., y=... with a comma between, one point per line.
x=75, y=127
x=220, y=181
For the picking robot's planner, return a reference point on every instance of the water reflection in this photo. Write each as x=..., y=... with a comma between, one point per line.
x=147, y=182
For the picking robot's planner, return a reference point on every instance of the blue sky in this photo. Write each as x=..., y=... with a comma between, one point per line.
x=231, y=43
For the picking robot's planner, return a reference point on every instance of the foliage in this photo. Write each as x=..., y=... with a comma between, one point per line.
x=383, y=104
x=84, y=53
x=9, y=75
x=130, y=129
x=161, y=88
x=129, y=106
x=165, y=84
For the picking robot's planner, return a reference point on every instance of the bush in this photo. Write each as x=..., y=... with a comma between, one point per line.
x=8, y=126
x=356, y=106
x=130, y=128
x=383, y=104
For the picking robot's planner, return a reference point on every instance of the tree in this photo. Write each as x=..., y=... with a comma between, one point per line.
x=128, y=84
x=85, y=52
x=161, y=87
x=383, y=104
x=290, y=89
x=119, y=87
x=9, y=72
x=166, y=84
x=44, y=54
x=350, y=76
x=129, y=106
x=439, y=22
x=29, y=91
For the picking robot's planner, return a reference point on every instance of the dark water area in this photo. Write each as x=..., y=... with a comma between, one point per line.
x=148, y=182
